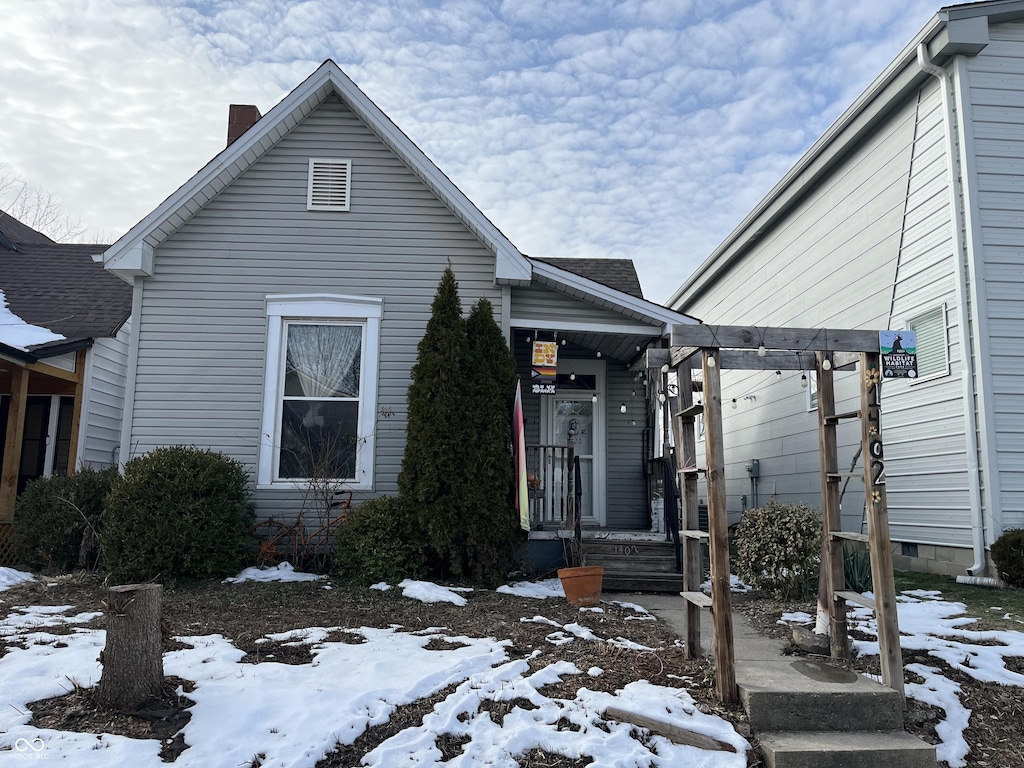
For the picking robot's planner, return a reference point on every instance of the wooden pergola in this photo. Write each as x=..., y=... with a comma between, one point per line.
x=717, y=347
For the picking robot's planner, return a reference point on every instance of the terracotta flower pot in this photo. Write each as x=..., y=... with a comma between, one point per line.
x=582, y=585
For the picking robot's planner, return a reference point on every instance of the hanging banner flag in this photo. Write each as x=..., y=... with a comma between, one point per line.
x=899, y=354
x=544, y=367
x=519, y=456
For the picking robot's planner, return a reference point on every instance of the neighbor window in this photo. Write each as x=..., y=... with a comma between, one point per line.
x=932, y=342
x=321, y=384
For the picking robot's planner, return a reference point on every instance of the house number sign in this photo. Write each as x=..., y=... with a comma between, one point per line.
x=876, y=452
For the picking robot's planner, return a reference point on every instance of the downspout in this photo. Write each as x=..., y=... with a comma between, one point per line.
x=131, y=371
x=966, y=353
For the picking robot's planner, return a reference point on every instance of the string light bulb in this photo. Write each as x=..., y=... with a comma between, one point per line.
x=593, y=399
x=572, y=376
x=661, y=397
x=778, y=375
x=761, y=351
x=711, y=361
x=734, y=404
x=803, y=381
x=563, y=342
x=826, y=364
x=664, y=368
x=598, y=354
x=622, y=408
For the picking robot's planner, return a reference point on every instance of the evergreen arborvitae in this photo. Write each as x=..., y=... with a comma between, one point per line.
x=490, y=521
x=433, y=466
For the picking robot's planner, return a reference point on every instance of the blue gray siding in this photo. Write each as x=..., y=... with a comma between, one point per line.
x=203, y=328
x=103, y=403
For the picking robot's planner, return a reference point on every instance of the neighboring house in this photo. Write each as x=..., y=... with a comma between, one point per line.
x=63, y=346
x=906, y=214
x=322, y=224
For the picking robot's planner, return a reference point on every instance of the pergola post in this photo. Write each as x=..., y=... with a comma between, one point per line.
x=718, y=528
x=884, y=585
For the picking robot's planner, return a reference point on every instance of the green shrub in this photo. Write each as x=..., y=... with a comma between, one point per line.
x=178, y=512
x=778, y=549
x=857, y=569
x=57, y=519
x=1008, y=555
x=381, y=541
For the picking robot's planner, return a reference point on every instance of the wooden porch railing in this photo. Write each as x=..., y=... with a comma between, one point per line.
x=547, y=481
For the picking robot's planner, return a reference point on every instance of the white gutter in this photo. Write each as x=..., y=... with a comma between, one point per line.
x=966, y=353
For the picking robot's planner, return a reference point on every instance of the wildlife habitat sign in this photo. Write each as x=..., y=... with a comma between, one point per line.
x=899, y=354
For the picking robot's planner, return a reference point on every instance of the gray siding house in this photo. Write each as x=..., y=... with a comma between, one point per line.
x=904, y=215
x=323, y=220
x=62, y=385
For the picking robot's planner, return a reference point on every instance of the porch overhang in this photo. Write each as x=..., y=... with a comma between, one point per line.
x=618, y=341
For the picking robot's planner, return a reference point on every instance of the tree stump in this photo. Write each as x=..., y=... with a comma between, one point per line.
x=133, y=665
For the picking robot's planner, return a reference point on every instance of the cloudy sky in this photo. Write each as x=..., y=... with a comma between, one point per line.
x=636, y=128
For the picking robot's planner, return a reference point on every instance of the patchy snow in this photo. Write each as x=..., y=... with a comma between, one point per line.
x=282, y=572
x=294, y=714
x=428, y=592
x=939, y=628
x=15, y=332
x=536, y=589
x=9, y=577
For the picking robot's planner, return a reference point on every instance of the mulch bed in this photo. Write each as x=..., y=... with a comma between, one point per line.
x=248, y=612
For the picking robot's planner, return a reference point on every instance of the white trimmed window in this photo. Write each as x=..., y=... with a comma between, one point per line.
x=330, y=182
x=932, y=334
x=320, y=390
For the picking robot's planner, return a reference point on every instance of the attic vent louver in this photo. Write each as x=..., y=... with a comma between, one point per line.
x=329, y=184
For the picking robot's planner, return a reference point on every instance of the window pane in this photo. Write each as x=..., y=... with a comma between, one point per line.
x=319, y=439
x=323, y=360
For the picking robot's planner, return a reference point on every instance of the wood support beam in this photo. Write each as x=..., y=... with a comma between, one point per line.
x=721, y=596
x=12, y=443
x=884, y=586
x=752, y=337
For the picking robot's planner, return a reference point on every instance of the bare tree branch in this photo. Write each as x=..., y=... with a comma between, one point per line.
x=35, y=207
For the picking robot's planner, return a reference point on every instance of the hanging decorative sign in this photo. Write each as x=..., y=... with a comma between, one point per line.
x=544, y=367
x=899, y=354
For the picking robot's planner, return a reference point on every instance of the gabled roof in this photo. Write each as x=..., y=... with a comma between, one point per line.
x=132, y=255
x=954, y=30
x=619, y=274
x=629, y=306
x=18, y=234
x=59, y=286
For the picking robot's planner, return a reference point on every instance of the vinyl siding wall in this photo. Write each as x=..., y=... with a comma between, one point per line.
x=996, y=94
x=831, y=263
x=104, y=398
x=924, y=425
x=203, y=327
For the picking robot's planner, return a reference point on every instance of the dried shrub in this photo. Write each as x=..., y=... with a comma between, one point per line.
x=778, y=549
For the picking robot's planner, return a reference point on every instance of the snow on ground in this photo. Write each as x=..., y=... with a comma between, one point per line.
x=9, y=577
x=281, y=572
x=293, y=715
x=939, y=627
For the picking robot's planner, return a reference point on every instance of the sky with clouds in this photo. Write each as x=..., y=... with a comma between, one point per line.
x=644, y=129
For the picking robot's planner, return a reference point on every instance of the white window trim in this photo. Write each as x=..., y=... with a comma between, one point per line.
x=313, y=161
x=945, y=346
x=812, y=390
x=361, y=310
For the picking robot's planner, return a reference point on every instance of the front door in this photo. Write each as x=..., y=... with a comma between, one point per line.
x=575, y=413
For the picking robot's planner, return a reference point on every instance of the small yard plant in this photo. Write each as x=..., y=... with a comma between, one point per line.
x=778, y=549
x=178, y=513
x=381, y=541
x=1008, y=555
x=57, y=520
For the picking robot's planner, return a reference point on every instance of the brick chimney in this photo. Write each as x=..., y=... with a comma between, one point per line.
x=241, y=117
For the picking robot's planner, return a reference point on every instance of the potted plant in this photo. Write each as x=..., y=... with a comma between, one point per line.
x=580, y=582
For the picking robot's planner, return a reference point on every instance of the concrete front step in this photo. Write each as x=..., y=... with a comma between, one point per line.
x=861, y=749
x=799, y=694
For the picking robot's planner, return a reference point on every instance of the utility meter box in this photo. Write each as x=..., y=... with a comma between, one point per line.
x=754, y=468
